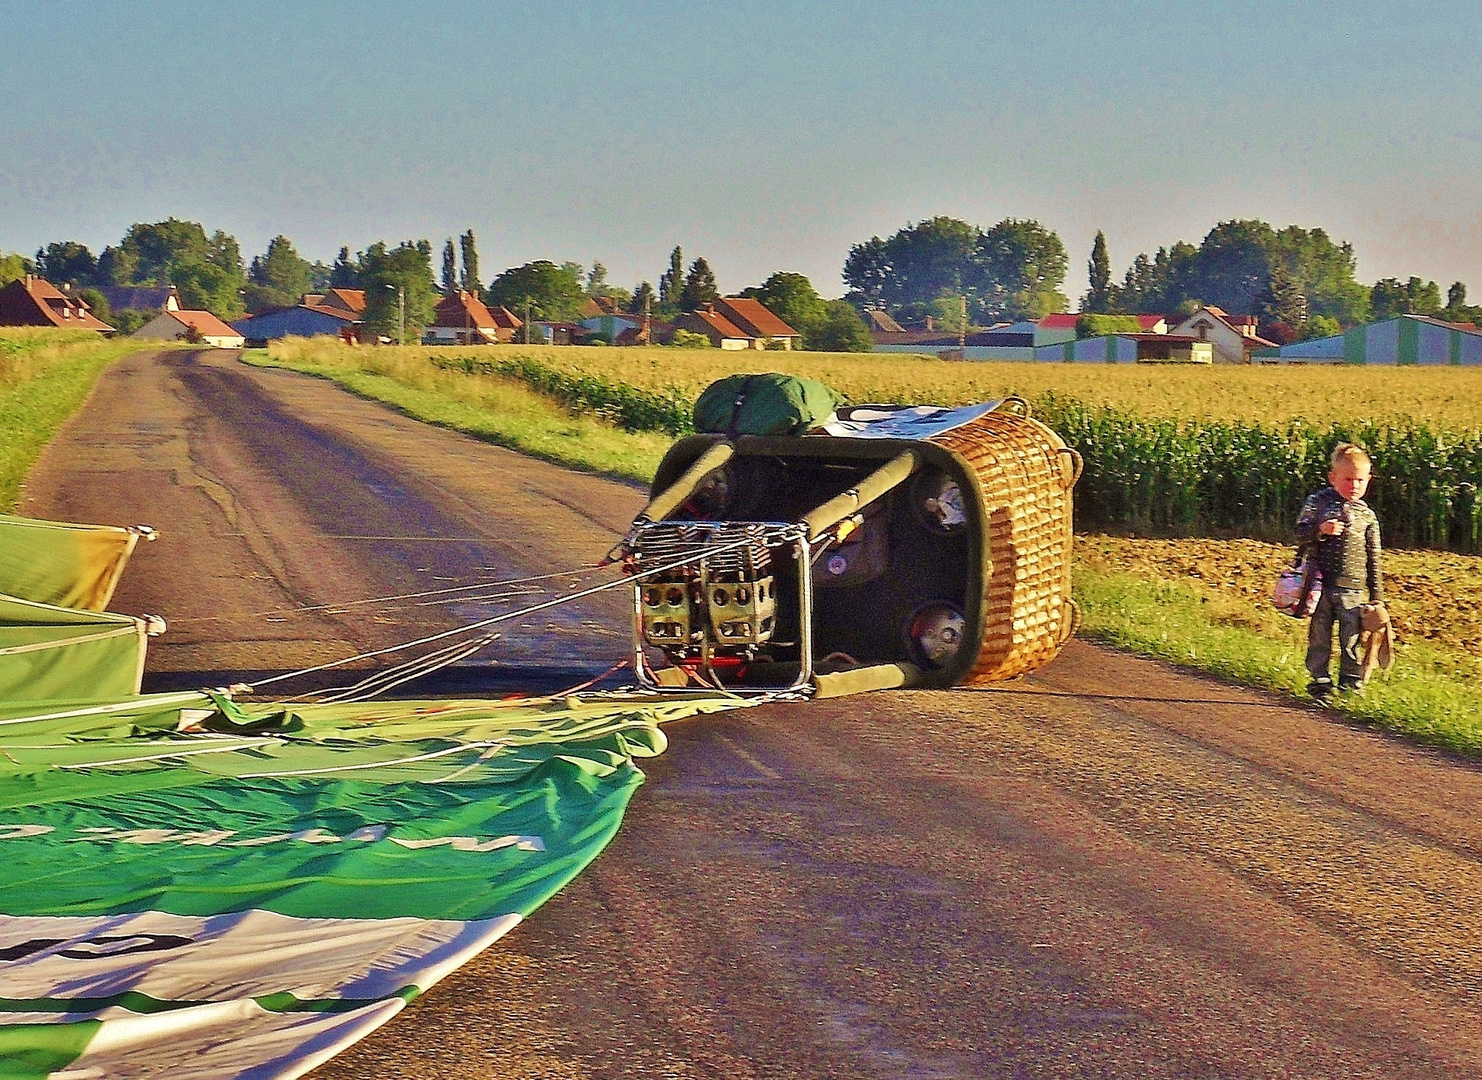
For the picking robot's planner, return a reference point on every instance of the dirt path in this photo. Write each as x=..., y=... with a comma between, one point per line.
x=1106, y=869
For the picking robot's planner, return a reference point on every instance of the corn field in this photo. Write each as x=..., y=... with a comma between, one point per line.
x=1161, y=476
x=1223, y=452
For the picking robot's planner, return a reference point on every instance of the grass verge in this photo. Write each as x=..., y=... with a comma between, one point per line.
x=44, y=376
x=1146, y=602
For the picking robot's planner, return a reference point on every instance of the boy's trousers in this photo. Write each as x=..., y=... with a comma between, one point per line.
x=1345, y=606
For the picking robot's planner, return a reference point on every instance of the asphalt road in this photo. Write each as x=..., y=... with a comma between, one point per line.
x=1106, y=869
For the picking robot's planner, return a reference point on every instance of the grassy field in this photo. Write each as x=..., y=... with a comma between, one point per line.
x=44, y=376
x=1200, y=603
x=1265, y=394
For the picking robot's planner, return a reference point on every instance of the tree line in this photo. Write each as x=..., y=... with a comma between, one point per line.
x=1298, y=282
x=401, y=292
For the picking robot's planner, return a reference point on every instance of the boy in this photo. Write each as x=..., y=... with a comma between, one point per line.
x=1345, y=533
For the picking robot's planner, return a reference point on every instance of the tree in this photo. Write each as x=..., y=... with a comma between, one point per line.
x=277, y=278
x=868, y=270
x=699, y=286
x=344, y=274
x=644, y=299
x=840, y=330
x=1282, y=303
x=388, y=276
x=672, y=281
x=1456, y=296
x=13, y=266
x=794, y=300
x=206, y=269
x=450, y=268
x=1020, y=266
x=1390, y=297
x=67, y=262
x=928, y=259
x=1098, y=298
x=97, y=303
x=1159, y=284
x=470, y=254
x=555, y=293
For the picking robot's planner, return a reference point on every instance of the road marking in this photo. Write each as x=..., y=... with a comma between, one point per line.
x=750, y=759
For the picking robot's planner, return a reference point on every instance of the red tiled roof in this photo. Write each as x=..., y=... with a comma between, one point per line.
x=34, y=301
x=504, y=318
x=753, y=317
x=351, y=300
x=203, y=323
x=719, y=323
x=464, y=309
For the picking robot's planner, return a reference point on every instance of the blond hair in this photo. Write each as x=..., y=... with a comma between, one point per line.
x=1351, y=453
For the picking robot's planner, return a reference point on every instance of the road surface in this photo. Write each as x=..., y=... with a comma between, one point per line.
x=1106, y=869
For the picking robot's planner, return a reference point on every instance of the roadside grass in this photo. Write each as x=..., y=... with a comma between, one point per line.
x=1199, y=604
x=493, y=408
x=45, y=374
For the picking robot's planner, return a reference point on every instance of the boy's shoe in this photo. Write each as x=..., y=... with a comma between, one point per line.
x=1350, y=686
x=1322, y=689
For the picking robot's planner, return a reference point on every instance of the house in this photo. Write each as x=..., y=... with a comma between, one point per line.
x=303, y=320
x=199, y=326
x=1234, y=337
x=723, y=333
x=462, y=319
x=1130, y=349
x=141, y=297
x=879, y=321
x=609, y=326
x=755, y=319
x=34, y=301
x=1402, y=340
x=351, y=300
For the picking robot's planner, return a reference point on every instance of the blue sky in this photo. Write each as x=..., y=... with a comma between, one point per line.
x=761, y=135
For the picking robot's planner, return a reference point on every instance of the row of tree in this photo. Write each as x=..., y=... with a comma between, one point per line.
x=1298, y=282
x=1013, y=270
x=400, y=289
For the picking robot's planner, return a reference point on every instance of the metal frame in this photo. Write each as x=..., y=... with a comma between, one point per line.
x=778, y=534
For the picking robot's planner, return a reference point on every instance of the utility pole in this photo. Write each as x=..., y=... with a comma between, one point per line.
x=401, y=305
x=962, y=331
x=527, y=320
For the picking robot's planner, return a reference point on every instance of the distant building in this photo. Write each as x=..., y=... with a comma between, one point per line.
x=351, y=300
x=302, y=320
x=609, y=326
x=757, y=320
x=723, y=333
x=1129, y=349
x=462, y=319
x=1234, y=337
x=141, y=297
x=34, y=301
x=1402, y=340
x=879, y=321
x=187, y=325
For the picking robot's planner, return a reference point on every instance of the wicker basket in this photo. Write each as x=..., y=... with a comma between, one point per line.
x=1026, y=473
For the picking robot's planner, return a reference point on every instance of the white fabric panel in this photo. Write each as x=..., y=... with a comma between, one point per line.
x=240, y=955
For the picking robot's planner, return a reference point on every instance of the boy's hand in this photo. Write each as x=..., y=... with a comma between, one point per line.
x=1331, y=528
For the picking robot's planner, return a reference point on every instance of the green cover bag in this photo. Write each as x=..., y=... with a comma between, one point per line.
x=770, y=404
